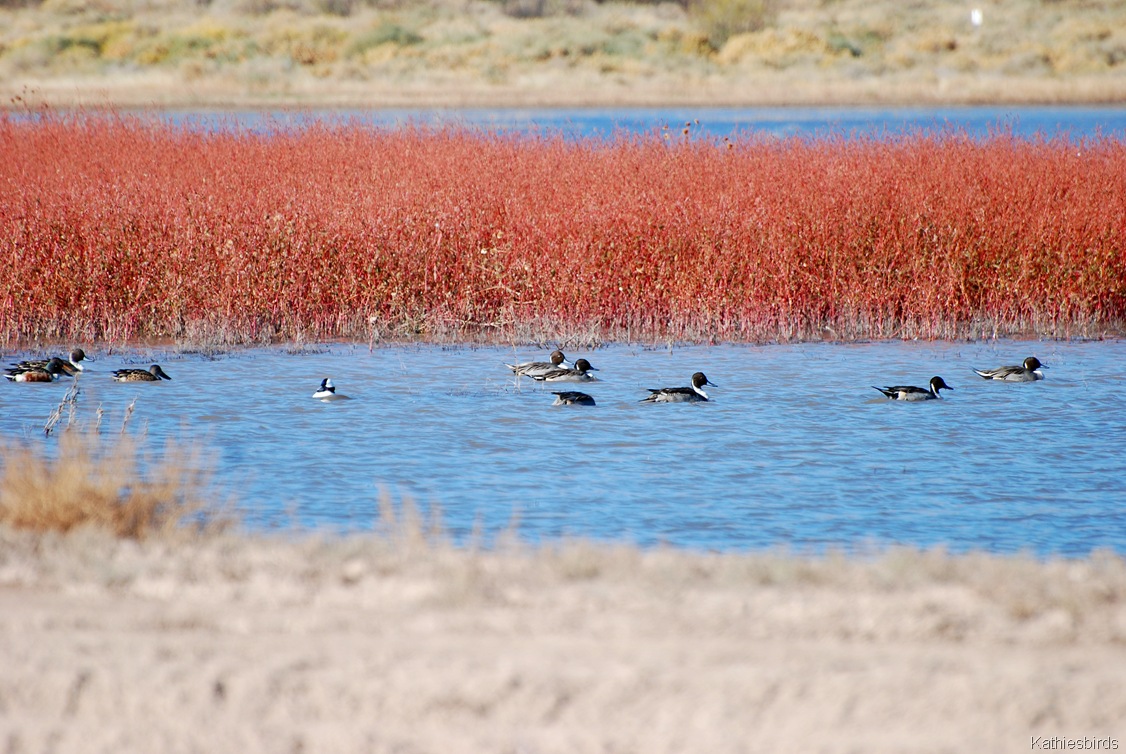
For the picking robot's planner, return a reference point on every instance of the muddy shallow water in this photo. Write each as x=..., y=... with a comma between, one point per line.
x=796, y=449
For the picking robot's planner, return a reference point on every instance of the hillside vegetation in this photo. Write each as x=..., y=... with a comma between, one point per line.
x=559, y=52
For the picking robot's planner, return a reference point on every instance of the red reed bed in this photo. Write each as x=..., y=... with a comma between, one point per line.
x=120, y=228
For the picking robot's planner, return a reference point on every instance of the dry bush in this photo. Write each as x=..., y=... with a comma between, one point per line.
x=105, y=481
x=722, y=19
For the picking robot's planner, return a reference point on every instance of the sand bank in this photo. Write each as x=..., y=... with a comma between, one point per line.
x=233, y=643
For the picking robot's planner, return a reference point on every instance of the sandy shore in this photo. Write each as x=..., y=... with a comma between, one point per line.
x=232, y=643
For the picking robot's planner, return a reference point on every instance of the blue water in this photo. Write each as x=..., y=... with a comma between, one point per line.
x=796, y=450
x=710, y=122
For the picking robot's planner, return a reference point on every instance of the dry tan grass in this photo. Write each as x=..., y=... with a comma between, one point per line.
x=450, y=53
x=107, y=481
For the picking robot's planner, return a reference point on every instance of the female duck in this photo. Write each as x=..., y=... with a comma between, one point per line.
x=49, y=372
x=692, y=394
x=327, y=392
x=1029, y=371
x=539, y=368
x=581, y=373
x=572, y=398
x=152, y=374
x=912, y=393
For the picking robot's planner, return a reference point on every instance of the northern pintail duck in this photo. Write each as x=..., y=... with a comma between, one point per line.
x=152, y=374
x=1027, y=372
x=539, y=368
x=77, y=356
x=912, y=393
x=691, y=394
x=572, y=398
x=581, y=373
x=327, y=392
x=49, y=372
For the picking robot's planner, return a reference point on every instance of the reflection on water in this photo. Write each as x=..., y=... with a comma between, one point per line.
x=796, y=449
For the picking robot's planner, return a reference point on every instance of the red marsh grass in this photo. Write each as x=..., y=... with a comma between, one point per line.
x=119, y=228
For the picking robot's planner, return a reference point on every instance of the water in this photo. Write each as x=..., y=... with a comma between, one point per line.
x=796, y=450
x=710, y=122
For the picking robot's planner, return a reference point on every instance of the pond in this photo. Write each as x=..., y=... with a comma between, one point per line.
x=708, y=122
x=795, y=450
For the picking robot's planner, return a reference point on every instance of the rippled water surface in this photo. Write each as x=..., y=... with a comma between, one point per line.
x=795, y=450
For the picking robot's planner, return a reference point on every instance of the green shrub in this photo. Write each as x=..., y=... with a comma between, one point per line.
x=386, y=33
x=722, y=19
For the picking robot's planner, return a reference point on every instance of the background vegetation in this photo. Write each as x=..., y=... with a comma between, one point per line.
x=387, y=52
x=121, y=228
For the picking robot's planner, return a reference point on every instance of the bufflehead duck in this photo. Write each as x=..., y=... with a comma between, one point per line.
x=911, y=393
x=49, y=372
x=538, y=368
x=152, y=374
x=681, y=394
x=327, y=392
x=572, y=398
x=581, y=373
x=1027, y=372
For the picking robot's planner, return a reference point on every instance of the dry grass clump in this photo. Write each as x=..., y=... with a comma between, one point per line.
x=109, y=482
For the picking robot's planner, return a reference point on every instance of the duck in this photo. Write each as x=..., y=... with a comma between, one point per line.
x=535, y=368
x=581, y=373
x=152, y=374
x=77, y=356
x=912, y=393
x=572, y=398
x=49, y=372
x=693, y=394
x=327, y=392
x=1029, y=371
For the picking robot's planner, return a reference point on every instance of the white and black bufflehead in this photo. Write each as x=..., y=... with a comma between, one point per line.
x=581, y=373
x=912, y=393
x=327, y=392
x=539, y=368
x=572, y=398
x=692, y=394
x=1027, y=372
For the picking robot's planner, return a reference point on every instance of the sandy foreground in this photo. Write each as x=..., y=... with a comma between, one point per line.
x=238, y=643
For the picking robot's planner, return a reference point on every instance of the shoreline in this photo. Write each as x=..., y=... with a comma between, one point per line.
x=231, y=642
x=161, y=92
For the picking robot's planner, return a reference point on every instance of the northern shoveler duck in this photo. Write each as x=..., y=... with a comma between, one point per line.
x=572, y=398
x=327, y=392
x=152, y=374
x=77, y=356
x=539, y=368
x=912, y=393
x=49, y=372
x=1029, y=371
x=692, y=394
x=581, y=373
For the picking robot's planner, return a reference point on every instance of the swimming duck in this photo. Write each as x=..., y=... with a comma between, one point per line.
x=581, y=373
x=76, y=358
x=49, y=372
x=1027, y=372
x=691, y=394
x=537, y=368
x=912, y=393
x=152, y=374
x=572, y=398
x=327, y=392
